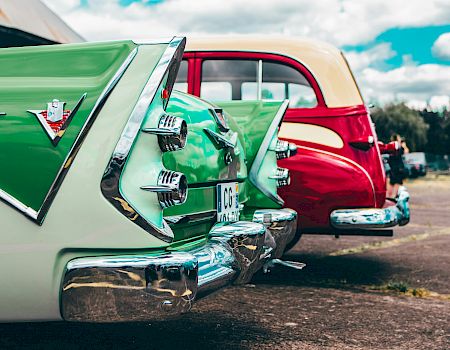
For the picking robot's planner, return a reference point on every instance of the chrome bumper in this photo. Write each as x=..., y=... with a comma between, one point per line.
x=282, y=225
x=368, y=218
x=148, y=287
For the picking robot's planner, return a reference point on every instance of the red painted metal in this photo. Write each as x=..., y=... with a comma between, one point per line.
x=324, y=178
x=322, y=182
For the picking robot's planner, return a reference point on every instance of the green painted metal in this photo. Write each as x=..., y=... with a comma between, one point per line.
x=80, y=221
x=31, y=77
x=254, y=118
x=202, y=161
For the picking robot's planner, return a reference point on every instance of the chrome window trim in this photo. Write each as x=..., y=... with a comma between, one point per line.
x=110, y=184
x=39, y=216
x=253, y=175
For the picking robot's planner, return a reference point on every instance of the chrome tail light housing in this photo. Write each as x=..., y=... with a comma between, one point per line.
x=172, y=188
x=292, y=149
x=282, y=176
x=285, y=149
x=171, y=131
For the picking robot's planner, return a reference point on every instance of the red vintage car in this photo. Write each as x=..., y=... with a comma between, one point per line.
x=338, y=183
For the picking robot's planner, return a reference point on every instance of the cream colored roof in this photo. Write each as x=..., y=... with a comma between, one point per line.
x=324, y=61
x=34, y=17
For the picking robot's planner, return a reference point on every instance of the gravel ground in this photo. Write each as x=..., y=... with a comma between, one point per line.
x=389, y=295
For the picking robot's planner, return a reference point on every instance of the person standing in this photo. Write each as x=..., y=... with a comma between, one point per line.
x=397, y=172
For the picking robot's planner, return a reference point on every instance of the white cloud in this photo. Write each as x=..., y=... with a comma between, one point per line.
x=342, y=22
x=439, y=102
x=373, y=57
x=417, y=104
x=441, y=47
x=413, y=83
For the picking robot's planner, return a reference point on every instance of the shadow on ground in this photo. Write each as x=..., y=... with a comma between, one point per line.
x=328, y=271
x=192, y=331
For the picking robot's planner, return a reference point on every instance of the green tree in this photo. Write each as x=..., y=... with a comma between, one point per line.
x=438, y=131
x=400, y=119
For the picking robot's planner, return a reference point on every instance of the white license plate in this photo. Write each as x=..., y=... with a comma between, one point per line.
x=228, y=202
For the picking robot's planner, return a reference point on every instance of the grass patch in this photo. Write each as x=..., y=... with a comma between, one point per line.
x=405, y=289
x=400, y=287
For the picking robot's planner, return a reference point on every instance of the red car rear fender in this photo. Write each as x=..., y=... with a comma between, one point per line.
x=323, y=181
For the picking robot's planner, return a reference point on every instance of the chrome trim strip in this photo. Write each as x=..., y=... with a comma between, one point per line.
x=18, y=205
x=367, y=218
x=253, y=175
x=153, y=41
x=39, y=216
x=110, y=186
x=158, y=189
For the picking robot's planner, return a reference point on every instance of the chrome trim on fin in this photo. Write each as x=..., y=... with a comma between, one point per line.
x=168, y=64
x=253, y=175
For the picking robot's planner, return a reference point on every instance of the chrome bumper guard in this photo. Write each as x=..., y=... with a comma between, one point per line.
x=149, y=287
x=372, y=218
x=282, y=225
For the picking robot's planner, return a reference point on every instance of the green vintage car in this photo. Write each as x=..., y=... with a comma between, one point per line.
x=122, y=200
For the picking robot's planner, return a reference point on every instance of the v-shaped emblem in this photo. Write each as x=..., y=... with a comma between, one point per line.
x=56, y=119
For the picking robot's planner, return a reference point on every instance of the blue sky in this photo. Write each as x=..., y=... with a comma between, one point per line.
x=399, y=50
x=415, y=43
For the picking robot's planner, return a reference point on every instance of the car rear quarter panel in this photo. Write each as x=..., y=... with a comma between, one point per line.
x=324, y=182
x=81, y=222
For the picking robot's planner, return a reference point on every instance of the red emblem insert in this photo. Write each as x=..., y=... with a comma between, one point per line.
x=56, y=126
x=56, y=119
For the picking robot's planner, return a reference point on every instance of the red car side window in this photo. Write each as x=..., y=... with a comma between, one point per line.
x=251, y=79
x=224, y=80
x=280, y=81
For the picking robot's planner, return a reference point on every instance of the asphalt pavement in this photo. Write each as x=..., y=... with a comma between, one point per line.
x=355, y=293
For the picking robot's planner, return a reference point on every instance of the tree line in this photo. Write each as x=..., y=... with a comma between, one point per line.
x=424, y=131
